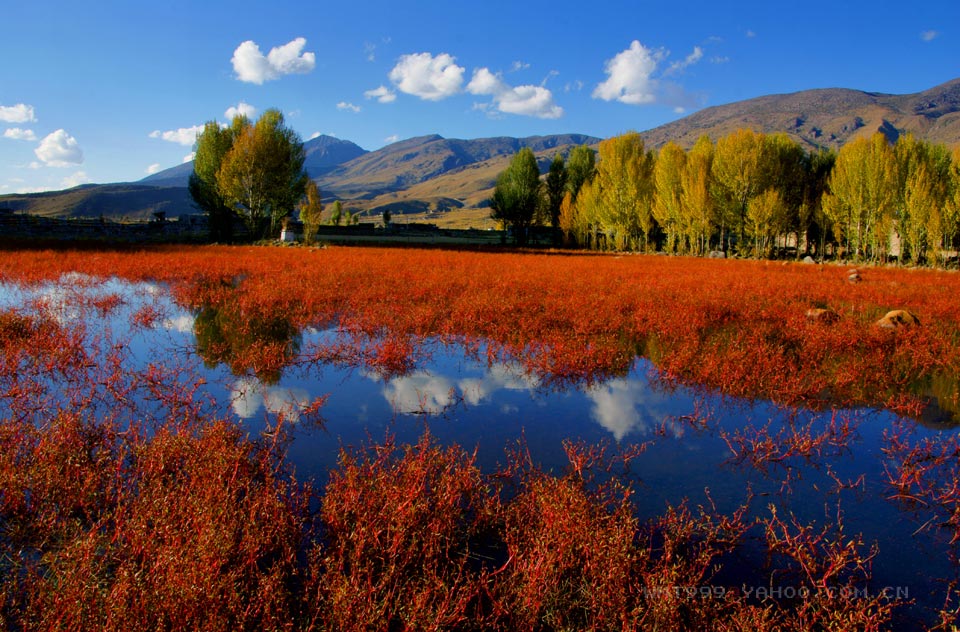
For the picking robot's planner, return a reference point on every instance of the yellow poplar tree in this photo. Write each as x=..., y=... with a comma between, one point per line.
x=697, y=202
x=668, y=191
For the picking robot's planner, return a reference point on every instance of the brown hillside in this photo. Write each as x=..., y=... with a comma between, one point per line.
x=826, y=117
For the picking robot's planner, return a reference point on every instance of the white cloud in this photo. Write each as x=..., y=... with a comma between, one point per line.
x=370, y=50
x=185, y=136
x=629, y=76
x=929, y=36
x=189, y=156
x=574, y=86
x=625, y=406
x=420, y=393
x=428, y=77
x=315, y=135
x=391, y=139
x=19, y=134
x=248, y=395
x=383, y=94
x=523, y=100
x=74, y=180
x=19, y=113
x=344, y=105
x=252, y=66
x=59, y=149
x=240, y=109
x=690, y=59
x=751, y=34
x=152, y=169
x=519, y=65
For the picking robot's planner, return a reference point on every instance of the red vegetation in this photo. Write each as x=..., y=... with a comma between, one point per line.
x=126, y=504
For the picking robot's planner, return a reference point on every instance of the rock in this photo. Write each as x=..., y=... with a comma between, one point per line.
x=808, y=259
x=898, y=318
x=822, y=315
x=717, y=254
x=853, y=276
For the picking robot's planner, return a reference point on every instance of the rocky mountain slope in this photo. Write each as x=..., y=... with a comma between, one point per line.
x=434, y=178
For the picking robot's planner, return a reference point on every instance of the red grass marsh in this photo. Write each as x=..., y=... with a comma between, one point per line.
x=255, y=438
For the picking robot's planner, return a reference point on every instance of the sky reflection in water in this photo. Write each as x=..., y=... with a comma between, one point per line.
x=489, y=406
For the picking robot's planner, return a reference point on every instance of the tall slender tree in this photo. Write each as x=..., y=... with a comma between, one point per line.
x=555, y=187
x=213, y=145
x=624, y=187
x=696, y=196
x=517, y=194
x=581, y=167
x=668, y=191
x=863, y=195
x=311, y=208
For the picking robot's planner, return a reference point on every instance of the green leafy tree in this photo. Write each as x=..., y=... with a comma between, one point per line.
x=213, y=145
x=581, y=167
x=813, y=225
x=517, y=194
x=262, y=175
x=336, y=215
x=556, y=188
x=924, y=171
x=311, y=209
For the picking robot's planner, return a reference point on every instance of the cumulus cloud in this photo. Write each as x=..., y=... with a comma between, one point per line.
x=632, y=78
x=240, y=109
x=189, y=156
x=19, y=134
x=523, y=100
x=391, y=139
x=154, y=168
x=349, y=107
x=75, y=180
x=186, y=136
x=19, y=113
x=420, y=393
x=929, y=36
x=629, y=76
x=252, y=66
x=625, y=406
x=59, y=149
x=383, y=94
x=428, y=77
x=315, y=135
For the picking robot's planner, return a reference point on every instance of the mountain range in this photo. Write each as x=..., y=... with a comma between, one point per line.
x=451, y=180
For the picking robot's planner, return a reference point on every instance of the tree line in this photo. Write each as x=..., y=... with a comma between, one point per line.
x=750, y=193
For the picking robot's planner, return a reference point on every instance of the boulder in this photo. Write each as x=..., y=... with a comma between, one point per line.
x=853, y=276
x=808, y=259
x=898, y=318
x=717, y=254
x=821, y=315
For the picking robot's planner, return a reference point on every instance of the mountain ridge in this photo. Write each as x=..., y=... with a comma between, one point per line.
x=432, y=177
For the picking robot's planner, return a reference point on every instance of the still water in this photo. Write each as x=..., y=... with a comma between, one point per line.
x=461, y=397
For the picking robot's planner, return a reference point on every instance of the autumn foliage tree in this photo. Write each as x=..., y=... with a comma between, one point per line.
x=311, y=209
x=262, y=175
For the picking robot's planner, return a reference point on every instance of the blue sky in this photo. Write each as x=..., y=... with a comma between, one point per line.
x=111, y=91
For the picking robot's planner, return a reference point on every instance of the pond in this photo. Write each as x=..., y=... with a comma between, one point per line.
x=823, y=466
